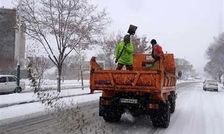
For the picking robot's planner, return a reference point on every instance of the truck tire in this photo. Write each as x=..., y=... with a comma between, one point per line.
x=161, y=118
x=109, y=113
x=172, y=101
x=135, y=114
x=111, y=116
x=136, y=111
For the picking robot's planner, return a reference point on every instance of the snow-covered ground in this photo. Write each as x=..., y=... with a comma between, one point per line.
x=65, y=84
x=197, y=112
x=9, y=99
x=54, y=82
x=78, y=96
x=31, y=108
x=70, y=88
x=30, y=96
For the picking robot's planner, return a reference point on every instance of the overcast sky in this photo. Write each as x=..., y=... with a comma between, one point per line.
x=183, y=27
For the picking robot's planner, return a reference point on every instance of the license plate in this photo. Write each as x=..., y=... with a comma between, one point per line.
x=132, y=101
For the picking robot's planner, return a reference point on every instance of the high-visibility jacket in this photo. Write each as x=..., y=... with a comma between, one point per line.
x=157, y=52
x=126, y=57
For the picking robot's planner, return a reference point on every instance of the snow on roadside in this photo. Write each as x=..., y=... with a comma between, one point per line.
x=30, y=96
x=20, y=110
x=53, y=84
x=30, y=108
x=221, y=86
x=16, y=98
x=191, y=80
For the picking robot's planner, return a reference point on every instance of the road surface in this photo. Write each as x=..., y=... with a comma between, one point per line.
x=197, y=112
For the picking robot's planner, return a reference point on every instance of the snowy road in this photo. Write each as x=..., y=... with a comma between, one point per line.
x=197, y=112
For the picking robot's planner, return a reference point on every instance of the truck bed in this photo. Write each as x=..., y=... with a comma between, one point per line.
x=141, y=79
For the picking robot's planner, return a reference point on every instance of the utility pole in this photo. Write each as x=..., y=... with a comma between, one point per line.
x=18, y=45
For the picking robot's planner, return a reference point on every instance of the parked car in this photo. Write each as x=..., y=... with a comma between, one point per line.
x=8, y=84
x=211, y=85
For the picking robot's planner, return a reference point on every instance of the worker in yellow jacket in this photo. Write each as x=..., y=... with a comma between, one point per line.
x=124, y=53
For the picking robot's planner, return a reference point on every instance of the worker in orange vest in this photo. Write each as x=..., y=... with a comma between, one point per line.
x=157, y=51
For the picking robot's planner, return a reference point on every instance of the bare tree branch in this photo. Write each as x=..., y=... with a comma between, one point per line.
x=62, y=25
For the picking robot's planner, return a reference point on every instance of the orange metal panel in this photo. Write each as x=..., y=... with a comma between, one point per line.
x=159, y=78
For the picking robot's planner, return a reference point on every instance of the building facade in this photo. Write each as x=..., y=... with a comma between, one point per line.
x=9, y=41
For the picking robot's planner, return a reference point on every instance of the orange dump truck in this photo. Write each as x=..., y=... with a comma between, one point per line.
x=146, y=89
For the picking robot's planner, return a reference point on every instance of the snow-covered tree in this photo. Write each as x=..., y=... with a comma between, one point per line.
x=215, y=54
x=62, y=26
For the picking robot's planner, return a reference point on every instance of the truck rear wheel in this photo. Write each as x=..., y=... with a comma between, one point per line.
x=161, y=118
x=172, y=100
x=111, y=116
